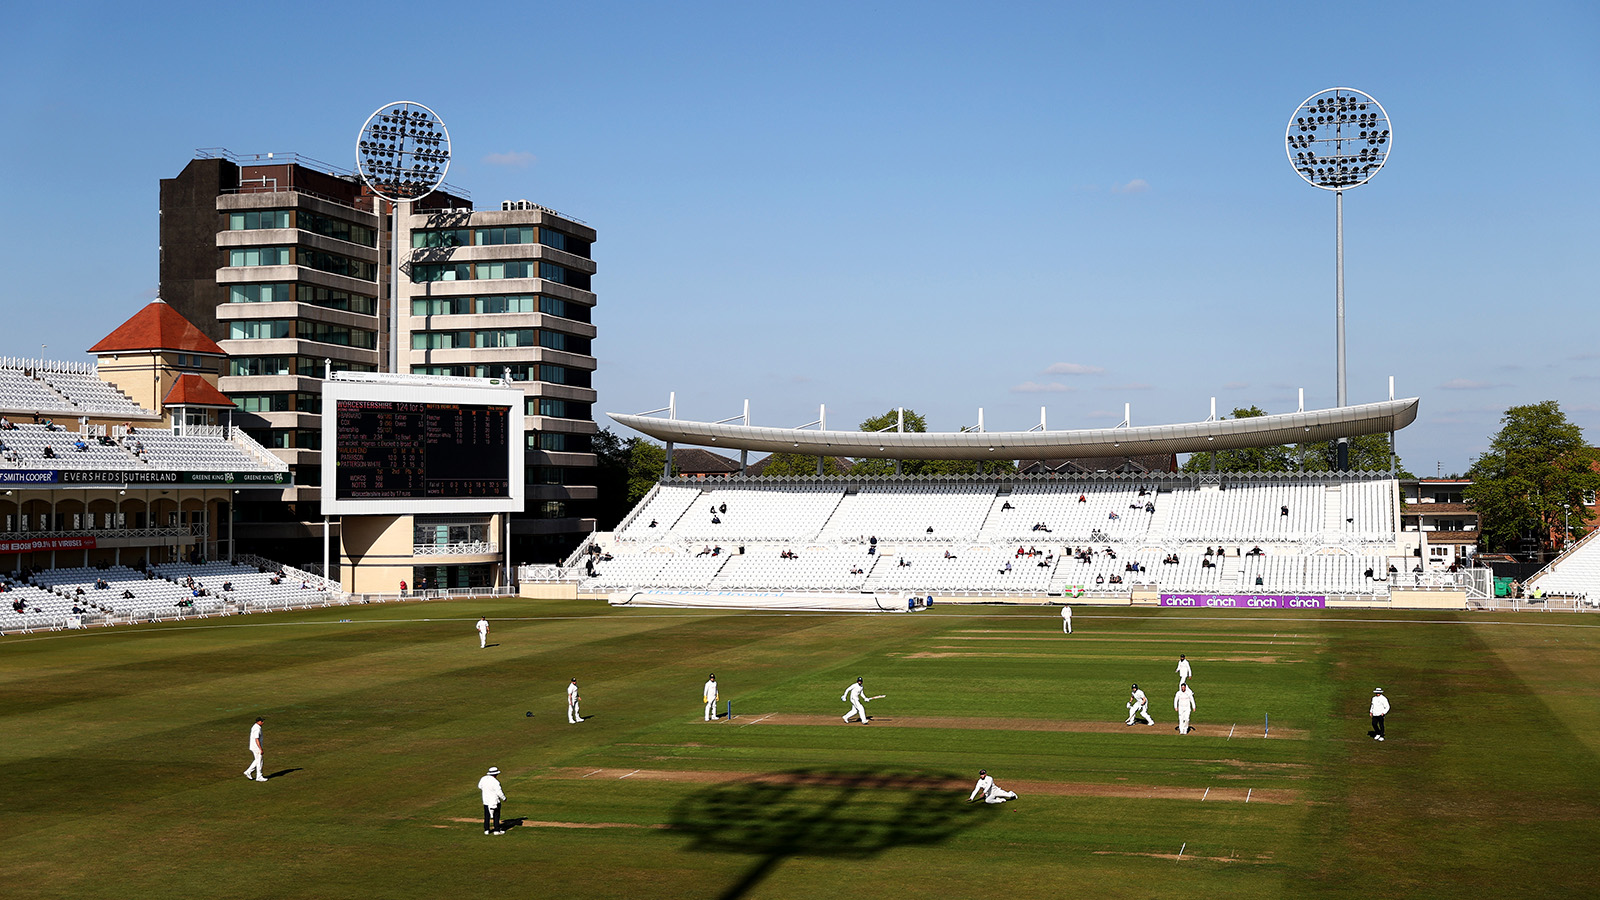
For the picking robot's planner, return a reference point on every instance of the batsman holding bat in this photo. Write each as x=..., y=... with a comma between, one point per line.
x=855, y=695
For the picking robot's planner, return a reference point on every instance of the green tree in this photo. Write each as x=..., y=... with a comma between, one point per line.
x=1276, y=458
x=612, y=459
x=1368, y=453
x=1538, y=462
x=793, y=465
x=646, y=459
x=915, y=422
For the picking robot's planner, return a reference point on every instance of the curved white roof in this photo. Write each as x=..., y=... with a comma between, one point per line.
x=1195, y=437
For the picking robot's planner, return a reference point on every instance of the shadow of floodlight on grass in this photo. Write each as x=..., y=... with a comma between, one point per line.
x=844, y=813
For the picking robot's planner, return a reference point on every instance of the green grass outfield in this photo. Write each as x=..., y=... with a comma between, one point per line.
x=121, y=753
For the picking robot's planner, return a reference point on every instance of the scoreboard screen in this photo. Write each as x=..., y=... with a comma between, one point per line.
x=391, y=450
x=405, y=445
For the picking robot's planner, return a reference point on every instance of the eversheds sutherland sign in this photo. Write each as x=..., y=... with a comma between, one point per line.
x=145, y=476
x=1245, y=601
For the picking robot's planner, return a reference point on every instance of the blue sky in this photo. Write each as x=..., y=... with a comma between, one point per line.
x=933, y=205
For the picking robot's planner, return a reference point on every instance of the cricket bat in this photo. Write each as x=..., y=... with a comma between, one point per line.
x=879, y=697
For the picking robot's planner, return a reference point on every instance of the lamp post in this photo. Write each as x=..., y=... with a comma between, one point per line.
x=1566, y=525
x=1336, y=139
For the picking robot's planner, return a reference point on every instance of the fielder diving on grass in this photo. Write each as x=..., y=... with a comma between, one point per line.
x=992, y=793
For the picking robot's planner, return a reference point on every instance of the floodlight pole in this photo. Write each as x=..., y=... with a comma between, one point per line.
x=394, y=287
x=1338, y=197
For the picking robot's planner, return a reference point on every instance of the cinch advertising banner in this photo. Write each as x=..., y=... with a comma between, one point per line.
x=1245, y=601
x=65, y=543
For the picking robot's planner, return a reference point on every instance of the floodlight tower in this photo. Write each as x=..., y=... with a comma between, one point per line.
x=1337, y=139
x=402, y=153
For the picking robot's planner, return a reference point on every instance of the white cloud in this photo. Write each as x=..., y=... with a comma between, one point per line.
x=515, y=159
x=1033, y=387
x=1136, y=186
x=1072, y=369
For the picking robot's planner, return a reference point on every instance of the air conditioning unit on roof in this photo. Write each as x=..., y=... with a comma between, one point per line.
x=517, y=205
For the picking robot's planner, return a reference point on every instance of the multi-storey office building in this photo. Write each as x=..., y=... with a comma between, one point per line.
x=285, y=262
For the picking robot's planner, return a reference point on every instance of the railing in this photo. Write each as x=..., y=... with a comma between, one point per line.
x=261, y=562
x=178, y=531
x=253, y=447
x=49, y=365
x=549, y=574
x=466, y=548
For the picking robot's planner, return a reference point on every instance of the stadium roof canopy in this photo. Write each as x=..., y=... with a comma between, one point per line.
x=1195, y=437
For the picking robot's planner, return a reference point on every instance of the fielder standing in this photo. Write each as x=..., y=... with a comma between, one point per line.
x=1380, y=708
x=1183, y=669
x=573, y=716
x=991, y=792
x=1066, y=619
x=1183, y=702
x=255, y=751
x=483, y=632
x=493, y=796
x=855, y=695
x=1139, y=705
x=709, y=695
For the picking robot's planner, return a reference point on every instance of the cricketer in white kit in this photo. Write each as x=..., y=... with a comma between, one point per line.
x=1183, y=669
x=991, y=792
x=1066, y=620
x=573, y=716
x=1139, y=705
x=855, y=695
x=709, y=695
x=493, y=796
x=1183, y=702
x=255, y=751
x=483, y=632
x=1380, y=708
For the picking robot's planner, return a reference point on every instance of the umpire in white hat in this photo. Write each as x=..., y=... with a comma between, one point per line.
x=493, y=796
x=1380, y=708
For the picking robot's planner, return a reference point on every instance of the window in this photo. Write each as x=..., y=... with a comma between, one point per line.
x=555, y=306
x=440, y=340
x=509, y=303
x=260, y=293
x=550, y=509
x=511, y=268
x=260, y=256
x=338, y=265
x=1588, y=498
x=564, y=375
x=441, y=306
x=559, y=409
x=556, y=340
x=492, y=236
x=508, y=337
x=261, y=365
x=311, y=403
x=563, y=275
x=557, y=442
x=260, y=329
x=308, y=439
x=266, y=218
x=562, y=241
x=262, y=403
x=341, y=335
x=441, y=272
x=441, y=237
x=338, y=229
x=328, y=298
x=546, y=475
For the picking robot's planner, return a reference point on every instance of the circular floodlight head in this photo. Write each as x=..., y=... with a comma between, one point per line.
x=1338, y=138
x=403, y=151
